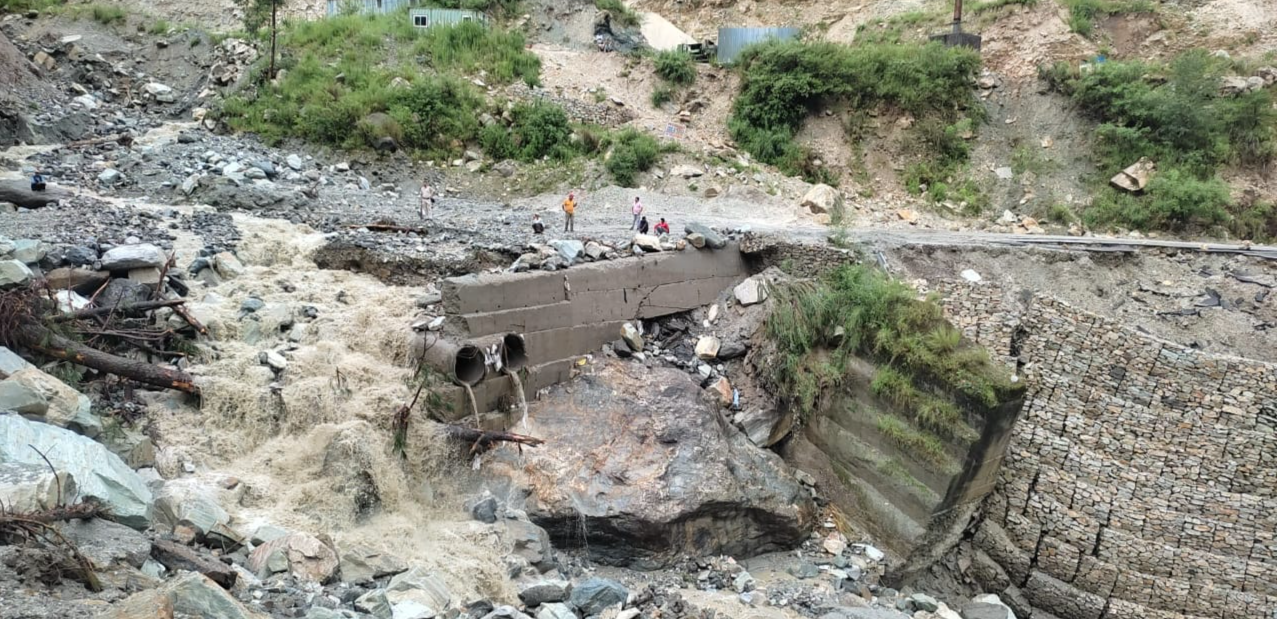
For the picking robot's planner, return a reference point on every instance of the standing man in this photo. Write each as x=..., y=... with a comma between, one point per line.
x=427, y=200
x=569, y=209
x=638, y=213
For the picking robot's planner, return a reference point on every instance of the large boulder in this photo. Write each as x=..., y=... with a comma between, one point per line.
x=303, y=555
x=190, y=503
x=128, y=257
x=650, y=473
x=596, y=594
x=417, y=593
x=27, y=488
x=14, y=272
x=65, y=407
x=571, y=249
x=188, y=595
x=822, y=198
x=712, y=239
x=363, y=564
x=100, y=474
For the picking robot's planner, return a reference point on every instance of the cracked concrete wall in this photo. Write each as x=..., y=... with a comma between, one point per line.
x=1140, y=480
x=567, y=313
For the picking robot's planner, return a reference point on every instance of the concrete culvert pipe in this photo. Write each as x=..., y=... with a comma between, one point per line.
x=468, y=366
x=514, y=353
x=463, y=363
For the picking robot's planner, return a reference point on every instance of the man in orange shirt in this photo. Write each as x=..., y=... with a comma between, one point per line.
x=569, y=209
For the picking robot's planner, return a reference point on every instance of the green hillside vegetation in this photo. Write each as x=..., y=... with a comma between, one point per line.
x=1174, y=114
x=783, y=82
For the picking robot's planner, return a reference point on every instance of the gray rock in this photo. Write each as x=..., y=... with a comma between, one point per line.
x=14, y=272
x=646, y=243
x=110, y=176
x=596, y=594
x=713, y=239
x=255, y=173
x=555, y=611
x=531, y=543
x=571, y=249
x=99, y=473
x=417, y=593
x=731, y=349
x=27, y=488
x=485, y=510
x=228, y=266
x=596, y=251
x=18, y=397
x=29, y=251
x=751, y=291
x=374, y=603
x=545, y=591
x=127, y=257
x=319, y=612
x=505, y=612
x=121, y=291
x=189, y=502
x=984, y=610
x=266, y=167
x=362, y=564
x=804, y=570
x=189, y=595
x=743, y=582
x=65, y=407
x=294, y=162
x=632, y=338
x=709, y=473
x=106, y=543
x=305, y=556
x=864, y=613
x=922, y=601
x=10, y=363
x=696, y=240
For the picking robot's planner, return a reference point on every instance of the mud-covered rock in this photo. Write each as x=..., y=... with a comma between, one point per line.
x=641, y=459
x=188, y=595
x=303, y=555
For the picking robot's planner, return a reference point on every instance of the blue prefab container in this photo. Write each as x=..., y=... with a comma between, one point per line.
x=368, y=7
x=425, y=18
x=732, y=40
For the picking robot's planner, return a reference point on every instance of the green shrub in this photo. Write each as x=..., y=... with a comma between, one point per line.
x=539, y=130
x=108, y=13
x=159, y=27
x=662, y=95
x=507, y=7
x=340, y=70
x=632, y=152
x=1083, y=13
x=1174, y=115
x=676, y=67
x=621, y=13
x=22, y=6
x=782, y=81
x=882, y=319
x=1176, y=200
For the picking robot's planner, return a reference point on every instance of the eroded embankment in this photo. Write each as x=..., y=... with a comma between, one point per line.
x=887, y=401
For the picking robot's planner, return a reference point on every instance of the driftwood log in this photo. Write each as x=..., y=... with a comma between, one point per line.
x=19, y=193
x=482, y=438
x=40, y=339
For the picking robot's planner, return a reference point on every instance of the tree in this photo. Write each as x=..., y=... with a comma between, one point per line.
x=256, y=13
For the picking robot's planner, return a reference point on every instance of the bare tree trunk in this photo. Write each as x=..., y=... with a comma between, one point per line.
x=274, y=32
x=46, y=342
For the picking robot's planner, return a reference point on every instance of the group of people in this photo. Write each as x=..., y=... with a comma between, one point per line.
x=569, y=218
x=428, y=195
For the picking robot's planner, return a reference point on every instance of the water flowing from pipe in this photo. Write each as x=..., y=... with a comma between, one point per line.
x=523, y=400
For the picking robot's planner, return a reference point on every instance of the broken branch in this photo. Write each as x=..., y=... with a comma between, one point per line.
x=388, y=228
x=134, y=309
x=480, y=437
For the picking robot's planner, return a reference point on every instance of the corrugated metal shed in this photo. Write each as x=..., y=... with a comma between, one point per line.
x=732, y=40
x=368, y=6
x=425, y=18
